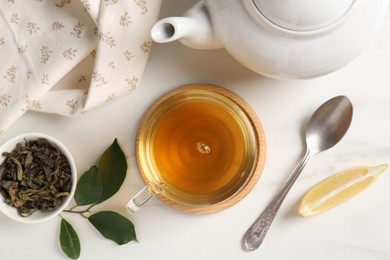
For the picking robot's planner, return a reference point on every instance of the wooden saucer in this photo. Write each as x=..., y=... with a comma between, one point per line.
x=259, y=160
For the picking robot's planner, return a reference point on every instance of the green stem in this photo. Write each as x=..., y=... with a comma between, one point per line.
x=81, y=212
x=75, y=211
x=90, y=207
x=75, y=206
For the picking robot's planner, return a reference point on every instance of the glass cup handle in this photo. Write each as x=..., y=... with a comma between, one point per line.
x=142, y=197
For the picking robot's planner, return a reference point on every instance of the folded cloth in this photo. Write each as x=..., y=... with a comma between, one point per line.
x=69, y=56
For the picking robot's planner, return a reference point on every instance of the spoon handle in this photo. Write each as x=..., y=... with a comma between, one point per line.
x=256, y=233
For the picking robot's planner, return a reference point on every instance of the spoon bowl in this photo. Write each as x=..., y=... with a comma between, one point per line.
x=329, y=123
x=326, y=127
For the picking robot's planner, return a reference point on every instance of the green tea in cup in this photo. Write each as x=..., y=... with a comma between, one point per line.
x=200, y=148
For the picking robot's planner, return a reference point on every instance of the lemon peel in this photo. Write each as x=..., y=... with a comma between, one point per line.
x=338, y=188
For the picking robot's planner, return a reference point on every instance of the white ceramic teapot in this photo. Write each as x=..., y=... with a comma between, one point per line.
x=279, y=38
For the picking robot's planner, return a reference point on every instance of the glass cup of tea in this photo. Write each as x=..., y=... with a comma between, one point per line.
x=199, y=149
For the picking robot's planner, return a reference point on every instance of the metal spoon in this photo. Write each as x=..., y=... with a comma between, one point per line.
x=326, y=127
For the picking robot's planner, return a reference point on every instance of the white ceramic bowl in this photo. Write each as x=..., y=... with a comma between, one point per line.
x=38, y=216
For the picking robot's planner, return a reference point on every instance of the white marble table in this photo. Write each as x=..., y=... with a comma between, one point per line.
x=358, y=229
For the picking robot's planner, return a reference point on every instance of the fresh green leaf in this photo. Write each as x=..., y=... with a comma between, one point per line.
x=89, y=187
x=69, y=240
x=112, y=167
x=114, y=226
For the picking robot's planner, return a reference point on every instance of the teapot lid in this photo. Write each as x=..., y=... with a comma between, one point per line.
x=303, y=15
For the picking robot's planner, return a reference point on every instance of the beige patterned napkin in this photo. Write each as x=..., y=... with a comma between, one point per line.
x=68, y=56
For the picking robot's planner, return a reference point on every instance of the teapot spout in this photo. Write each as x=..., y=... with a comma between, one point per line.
x=194, y=29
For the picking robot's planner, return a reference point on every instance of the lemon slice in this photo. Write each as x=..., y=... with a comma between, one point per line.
x=338, y=188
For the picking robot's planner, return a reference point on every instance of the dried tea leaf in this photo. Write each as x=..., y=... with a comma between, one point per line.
x=35, y=176
x=112, y=167
x=69, y=240
x=114, y=226
x=89, y=187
